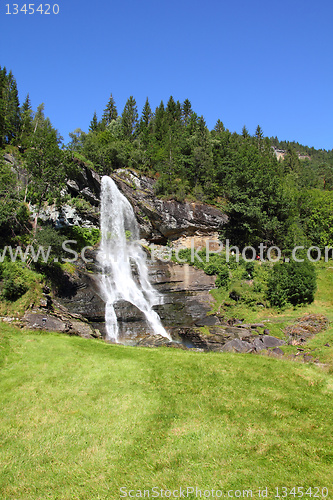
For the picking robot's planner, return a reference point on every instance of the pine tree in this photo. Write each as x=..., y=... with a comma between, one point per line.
x=146, y=115
x=94, y=123
x=159, y=122
x=13, y=110
x=171, y=111
x=26, y=127
x=219, y=127
x=129, y=118
x=9, y=108
x=186, y=112
x=259, y=137
x=145, y=124
x=3, y=73
x=245, y=132
x=110, y=112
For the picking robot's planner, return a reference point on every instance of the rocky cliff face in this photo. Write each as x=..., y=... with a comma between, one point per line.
x=163, y=220
x=184, y=298
x=159, y=220
x=184, y=291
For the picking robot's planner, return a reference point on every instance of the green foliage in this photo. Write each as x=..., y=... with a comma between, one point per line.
x=223, y=278
x=110, y=112
x=16, y=280
x=47, y=236
x=129, y=118
x=292, y=282
x=14, y=215
x=81, y=205
x=85, y=237
x=317, y=215
x=285, y=203
x=9, y=109
x=44, y=159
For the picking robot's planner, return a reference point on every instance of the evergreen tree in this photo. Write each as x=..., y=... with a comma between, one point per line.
x=291, y=162
x=9, y=108
x=3, y=73
x=173, y=111
x=245, y=132
x=94, y=123
x=186, y=111
x=110, y=112
x=145, y=124
x=159, y=122
x=146, y=115
x=259, y=137
x=219, y=127
x=129, y=118
x=203, y=157
x=26, y=127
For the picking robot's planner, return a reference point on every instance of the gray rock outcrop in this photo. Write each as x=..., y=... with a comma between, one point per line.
x=163, y=220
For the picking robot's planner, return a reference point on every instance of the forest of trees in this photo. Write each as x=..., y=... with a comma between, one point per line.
x=283, y=203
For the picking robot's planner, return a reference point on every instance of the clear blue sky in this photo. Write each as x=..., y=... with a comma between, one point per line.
x=246, y=63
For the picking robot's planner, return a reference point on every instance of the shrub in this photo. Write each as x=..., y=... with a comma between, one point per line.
x=223, y=278
x=16, y=280
x=291, y=282
x=86, y=236
x=13, y=289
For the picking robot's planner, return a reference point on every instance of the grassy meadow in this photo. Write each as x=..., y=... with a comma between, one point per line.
x=81, y=419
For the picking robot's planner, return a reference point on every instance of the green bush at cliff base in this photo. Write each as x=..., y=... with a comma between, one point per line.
x=16, y=279
x=80, y=419
x=292, y=282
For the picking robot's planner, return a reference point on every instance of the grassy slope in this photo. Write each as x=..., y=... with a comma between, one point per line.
x=81, y=418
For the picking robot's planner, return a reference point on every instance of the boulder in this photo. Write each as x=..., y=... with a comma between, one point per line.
x=237, y=345
x=59, y=322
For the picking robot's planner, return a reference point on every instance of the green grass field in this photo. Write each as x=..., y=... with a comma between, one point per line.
x=80, y=419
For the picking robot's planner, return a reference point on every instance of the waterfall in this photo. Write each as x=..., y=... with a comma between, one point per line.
x=120, y=253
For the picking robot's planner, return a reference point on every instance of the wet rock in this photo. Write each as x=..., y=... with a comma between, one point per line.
x=81, y=294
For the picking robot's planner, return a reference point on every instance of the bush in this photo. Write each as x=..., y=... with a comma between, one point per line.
x=223, y=279
x=292, y=282
x=16, y=280
x=13, y=289
x=85, y=236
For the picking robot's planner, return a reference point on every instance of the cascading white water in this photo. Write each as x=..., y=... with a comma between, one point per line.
x=119, y=251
